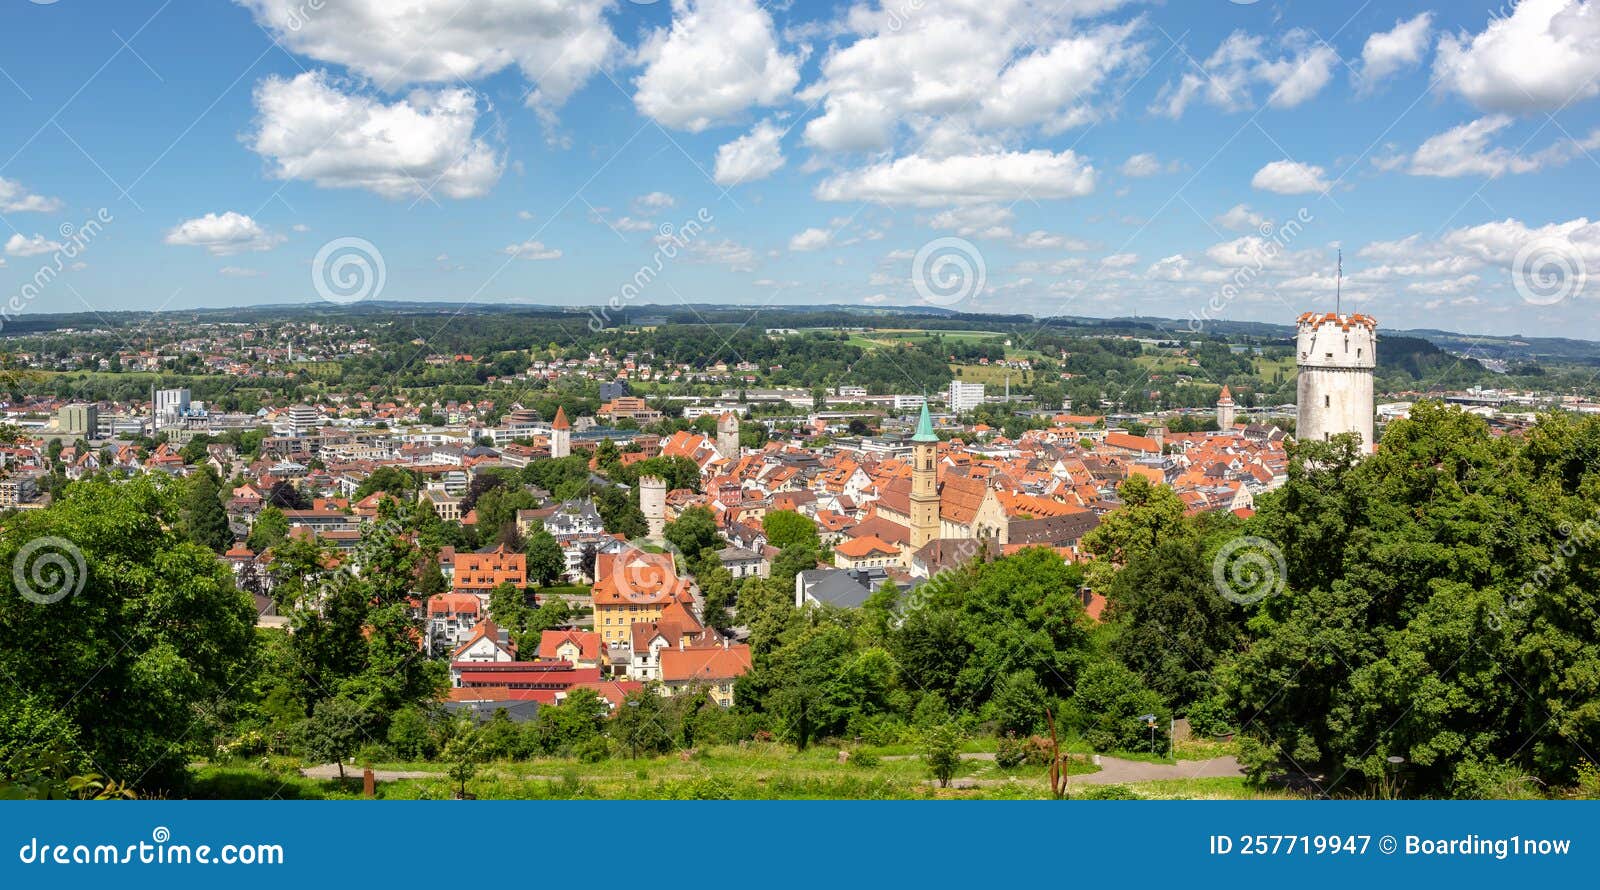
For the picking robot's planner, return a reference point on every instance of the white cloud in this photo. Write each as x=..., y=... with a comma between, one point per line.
x=928, y=182
x=736, y=257
x=240, y=272
x=1290, y=178
x=654, y=201
x=1120, y=260
x=1042, y=240
x=1542, y=57
x=948, y=71
x=309, y=129
x=16, y=199
x=1444, y=286
x=524, y=215
x=1142, y=165
x=38, y=245
x=990, y=221
x=755, y=155
x=718, y=58
x=532, y=250
x=1240, y=218
x=1464, y=150
x=811, y=239
x=1229, y=77
x=1387, y=52
x=557, y=44
x=223, y=235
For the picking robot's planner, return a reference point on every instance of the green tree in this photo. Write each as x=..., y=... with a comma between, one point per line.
x=640, y=723
x=546, y=562
x=1172, y=624
x=786, y=528
x=694, y=530
x=205, y=521
x=941, y=751
x=119, y=626
x=270, y=529
x=334, y=731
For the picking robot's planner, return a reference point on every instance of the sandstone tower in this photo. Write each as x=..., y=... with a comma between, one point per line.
x=560, y=435
x=924, y=483
x=653, y=503
x=1225, y=408
x=1336, y=354
x=728, y=435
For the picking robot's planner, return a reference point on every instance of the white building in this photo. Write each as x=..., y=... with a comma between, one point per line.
x=965, y=396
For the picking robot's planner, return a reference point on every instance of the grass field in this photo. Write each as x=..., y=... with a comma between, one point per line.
x=751, y=771
x=992, y=375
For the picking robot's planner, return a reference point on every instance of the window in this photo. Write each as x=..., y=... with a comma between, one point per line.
x=1327, y=401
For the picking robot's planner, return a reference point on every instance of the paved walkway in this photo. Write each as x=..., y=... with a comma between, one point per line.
x=331, y=771
x=1116, y=771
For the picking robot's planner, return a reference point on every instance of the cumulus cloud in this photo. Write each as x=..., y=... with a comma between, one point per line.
x=1240, y=218
x=947, y=72
x=755, y=155
x=1145, y=164
x=556, y=44
x=654, y=201
x=1465, y=150
x=1388, y=52
x=38, y=245
x=718, y=58
x=1291, y=178
x=16, y=199
x=811, y=239
x=310, y=128
x=734, y=256
x=532, y=250
x=223, y=235
x=929, y=182
x=1542, y=57
x=1231, y=76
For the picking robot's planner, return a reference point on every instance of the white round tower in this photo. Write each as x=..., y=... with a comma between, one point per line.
x=728, y=435
x=1336, y=355
x=653, y=504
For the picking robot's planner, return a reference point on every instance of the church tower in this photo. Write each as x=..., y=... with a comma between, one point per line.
x=1336, y=354
x=924, y=483
x=728, y=435
x=560, y=435
x=1225, y=410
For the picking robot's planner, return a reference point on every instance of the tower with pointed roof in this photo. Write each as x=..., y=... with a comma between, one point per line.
x=1225, y=408
x=560, y=435
x=924, y=483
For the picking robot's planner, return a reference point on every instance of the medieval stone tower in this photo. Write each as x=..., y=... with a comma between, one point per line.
x=1336, y=354
x=1225, y=408
x=728, y=435
x=560, y=435
x=653, y=504
x=924, y=483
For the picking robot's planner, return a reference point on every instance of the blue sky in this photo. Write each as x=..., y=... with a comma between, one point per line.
x=1193, y=160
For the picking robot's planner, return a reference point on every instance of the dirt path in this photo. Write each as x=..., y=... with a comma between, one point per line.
x=331, y=771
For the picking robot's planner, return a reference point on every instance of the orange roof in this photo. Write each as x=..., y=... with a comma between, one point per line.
x=863, y=547
x=560, y=423
x=588, y=643
x=709, y=664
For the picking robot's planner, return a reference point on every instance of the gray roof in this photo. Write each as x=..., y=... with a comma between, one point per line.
x=835, y=587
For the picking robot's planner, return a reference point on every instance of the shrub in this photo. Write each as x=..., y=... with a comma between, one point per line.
x=1011, y=752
